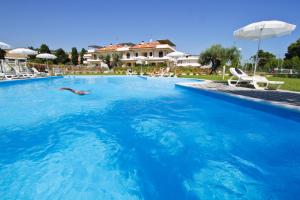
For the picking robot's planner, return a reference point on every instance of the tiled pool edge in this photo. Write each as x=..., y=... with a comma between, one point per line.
x=29, y=80
x=280, y=109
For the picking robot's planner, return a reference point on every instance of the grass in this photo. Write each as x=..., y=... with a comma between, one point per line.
x=206, y=77
x=291, y=84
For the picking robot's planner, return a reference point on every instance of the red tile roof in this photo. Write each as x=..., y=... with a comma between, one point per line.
x=145, y=45
x=110, y=48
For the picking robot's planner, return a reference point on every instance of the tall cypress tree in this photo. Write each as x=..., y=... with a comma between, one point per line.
x=74, y=56
x=82, y=52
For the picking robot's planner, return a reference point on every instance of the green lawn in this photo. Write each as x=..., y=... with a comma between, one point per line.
x=292, y=84
x=206, y=77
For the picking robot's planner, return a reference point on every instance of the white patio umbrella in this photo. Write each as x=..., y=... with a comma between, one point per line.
x=4, y=45
x=263, y=30
x=23, y=51
x=46, y=56
x=176, y=54
x=140, y=60
x=174, y=57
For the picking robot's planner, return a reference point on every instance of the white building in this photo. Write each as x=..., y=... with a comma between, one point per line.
x=152, y=53
x=90, y=57
x=188, y=61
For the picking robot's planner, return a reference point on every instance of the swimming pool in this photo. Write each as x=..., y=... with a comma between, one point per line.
x=135, y=138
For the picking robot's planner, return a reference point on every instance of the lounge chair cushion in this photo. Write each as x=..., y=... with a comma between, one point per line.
x=238, y=71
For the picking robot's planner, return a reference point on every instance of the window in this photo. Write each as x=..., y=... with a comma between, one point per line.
x=151, y=54
x=160, y=54
x=136, y=54
x=128, y=55
x=145, y=54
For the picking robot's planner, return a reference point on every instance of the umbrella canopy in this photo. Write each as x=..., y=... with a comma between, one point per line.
x=140, y=58
x=23, y=51
x=4, y=45
x=176, y=54
x=47, y=56
x=263, y=30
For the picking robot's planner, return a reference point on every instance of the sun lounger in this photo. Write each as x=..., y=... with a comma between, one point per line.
x=11, y=75
x=38, y=73
x=258, y=82
x=2, y=75
x=129, y=72
x=57, y=72
x=26, y=71
x=20, y=74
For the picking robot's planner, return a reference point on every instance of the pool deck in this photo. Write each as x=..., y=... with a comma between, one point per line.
x=26, y=80
x=283, y=98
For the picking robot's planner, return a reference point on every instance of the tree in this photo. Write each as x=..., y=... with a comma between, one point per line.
x=32, y=48
x=111, y=60
x=217, y=56
x=62, y=57
x=2, y=54
x=273, y=63
x=116, y=60
x=82, y=52
x=107, y=60
x=74, y=56
x=44, y=49
x=293, y=63
x=248, y=66
x=233, y=55
x=293, y=50
x=264, y=57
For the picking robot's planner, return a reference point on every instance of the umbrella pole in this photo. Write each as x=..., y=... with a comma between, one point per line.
x=2, y=66
x=175, y=65
x=256, y=58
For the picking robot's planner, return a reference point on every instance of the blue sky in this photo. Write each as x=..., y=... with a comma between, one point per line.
x=193, y=25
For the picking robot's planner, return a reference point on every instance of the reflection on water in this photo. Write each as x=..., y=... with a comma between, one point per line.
x=133, y=138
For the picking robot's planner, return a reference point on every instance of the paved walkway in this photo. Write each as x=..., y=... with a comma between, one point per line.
x=279, y=97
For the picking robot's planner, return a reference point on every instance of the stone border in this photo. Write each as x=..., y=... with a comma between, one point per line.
x=195, y=85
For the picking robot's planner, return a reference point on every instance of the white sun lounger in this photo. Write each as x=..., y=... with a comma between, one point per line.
x=21, y=74
x=57, y=72
x=8, y=72
x=38, y=73
x=258, y=82
x=129, y=72
x=2, y=75
x=11, y=75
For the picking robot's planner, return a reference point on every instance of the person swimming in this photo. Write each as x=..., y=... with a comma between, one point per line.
x=79, y=92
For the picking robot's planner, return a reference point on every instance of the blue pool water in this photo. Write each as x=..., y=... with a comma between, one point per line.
x=133, y=138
